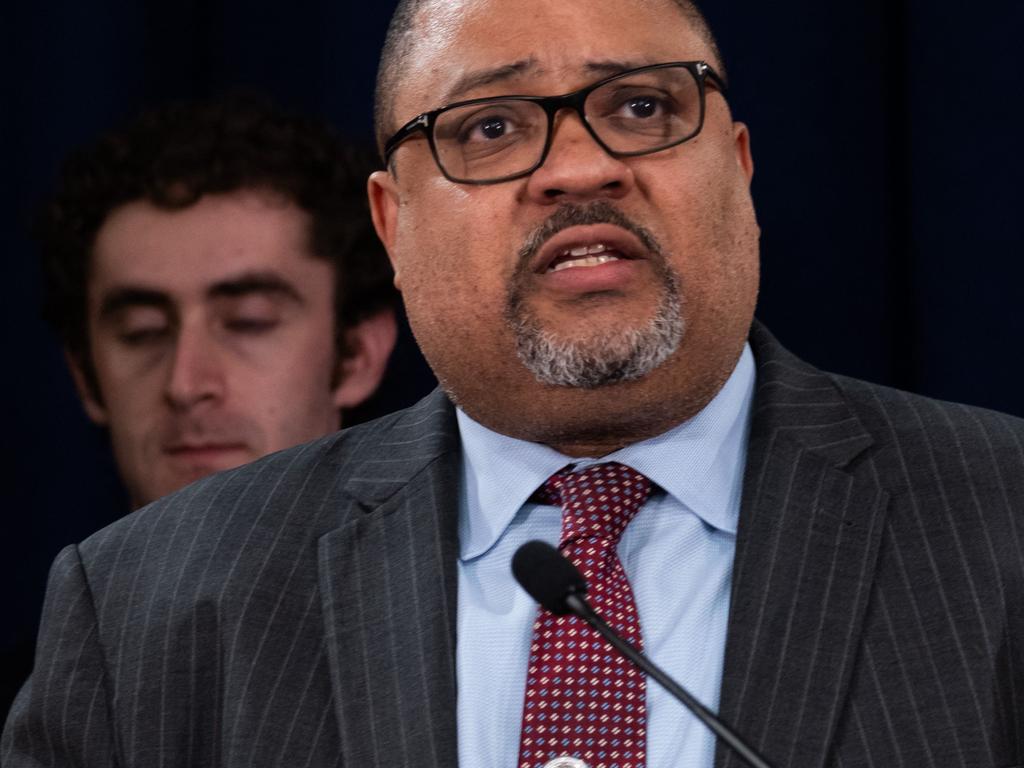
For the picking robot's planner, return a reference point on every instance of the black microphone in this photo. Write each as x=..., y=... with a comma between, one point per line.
x=557, y=585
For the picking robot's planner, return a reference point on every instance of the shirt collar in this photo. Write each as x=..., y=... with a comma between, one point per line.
x=699, y=462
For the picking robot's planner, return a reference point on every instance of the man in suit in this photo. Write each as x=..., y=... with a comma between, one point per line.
x=835, y=567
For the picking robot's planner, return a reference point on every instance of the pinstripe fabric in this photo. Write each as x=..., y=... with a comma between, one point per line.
x=300, y=611
x=220, y=627
x=878, y=589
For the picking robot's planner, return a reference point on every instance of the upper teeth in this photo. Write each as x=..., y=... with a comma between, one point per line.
x=583, y=250
x=583, y=256
x=587, y=261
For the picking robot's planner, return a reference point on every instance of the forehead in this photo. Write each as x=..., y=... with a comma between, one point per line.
x=187, y=250
x=542, y=46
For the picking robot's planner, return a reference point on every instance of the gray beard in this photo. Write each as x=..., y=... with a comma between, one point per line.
x=625, y=354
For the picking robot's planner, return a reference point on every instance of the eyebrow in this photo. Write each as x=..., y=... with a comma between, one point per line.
x=246, y=284
x=609, y=67
x=250, y=283
x=481, y=77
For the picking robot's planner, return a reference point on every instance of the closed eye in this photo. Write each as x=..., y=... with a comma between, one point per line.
x=142, y=336
x=251, y=325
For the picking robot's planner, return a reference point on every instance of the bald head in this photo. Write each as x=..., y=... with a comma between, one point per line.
x=404, y=30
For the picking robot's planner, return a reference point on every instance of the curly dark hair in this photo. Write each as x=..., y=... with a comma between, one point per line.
x=172, y=155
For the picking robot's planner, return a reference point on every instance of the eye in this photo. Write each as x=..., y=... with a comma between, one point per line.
x=490, y=123
x=138, y=337
x=491, y=128
x=251, y=325
x=252, y=314
x=487, y=127
x=630, y=112
x=138, y=326
x=642, y=106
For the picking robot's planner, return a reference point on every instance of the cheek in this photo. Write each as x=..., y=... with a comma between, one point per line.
x=455, y=295
x=457, y=263
x=301, y=368
x=134, y=421
x=130, y=387
x=713, y=241
x=291, y=402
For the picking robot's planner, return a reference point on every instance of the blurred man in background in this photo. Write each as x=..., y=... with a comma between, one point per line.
x=214, y=278
x=217, y=286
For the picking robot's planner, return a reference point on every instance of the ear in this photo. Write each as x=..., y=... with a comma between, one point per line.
x=369, y=344
x=384, y=203
x=741, y=142
x=91, y=401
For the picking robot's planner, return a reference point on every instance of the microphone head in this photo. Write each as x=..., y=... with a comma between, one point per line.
x=547, y=576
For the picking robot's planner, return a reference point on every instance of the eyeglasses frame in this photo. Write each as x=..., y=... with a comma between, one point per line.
x=425, y=122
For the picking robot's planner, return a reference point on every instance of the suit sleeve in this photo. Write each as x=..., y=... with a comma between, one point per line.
x=61, y=716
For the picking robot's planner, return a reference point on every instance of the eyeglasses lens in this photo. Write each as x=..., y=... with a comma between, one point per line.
x=646, y=111
x=490, y=140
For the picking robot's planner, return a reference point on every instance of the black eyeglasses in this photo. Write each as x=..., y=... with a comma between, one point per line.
x=643, y=110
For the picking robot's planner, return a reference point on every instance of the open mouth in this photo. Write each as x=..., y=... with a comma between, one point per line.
x=587, y=247
x=583, y=256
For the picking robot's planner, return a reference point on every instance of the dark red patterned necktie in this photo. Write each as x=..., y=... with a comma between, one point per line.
x=583, y=700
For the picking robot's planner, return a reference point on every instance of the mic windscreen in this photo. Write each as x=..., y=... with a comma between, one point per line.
x=547, y=576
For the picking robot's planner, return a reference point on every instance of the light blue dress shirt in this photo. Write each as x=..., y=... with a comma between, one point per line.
x=677, y=552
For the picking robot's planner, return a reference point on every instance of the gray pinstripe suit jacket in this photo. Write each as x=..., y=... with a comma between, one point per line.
x=301, y=610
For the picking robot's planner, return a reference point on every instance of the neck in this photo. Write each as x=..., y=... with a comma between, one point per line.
x=593, y=423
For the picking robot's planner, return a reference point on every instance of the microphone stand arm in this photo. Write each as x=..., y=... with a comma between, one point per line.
x=581, y=608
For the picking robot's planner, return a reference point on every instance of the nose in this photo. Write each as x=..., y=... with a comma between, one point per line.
x=577, y=168
x=196, y=375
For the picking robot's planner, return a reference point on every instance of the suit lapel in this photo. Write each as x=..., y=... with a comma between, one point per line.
x=388, y=579
x=805, y=559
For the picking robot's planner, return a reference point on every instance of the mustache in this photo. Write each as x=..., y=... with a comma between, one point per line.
x=572, y=215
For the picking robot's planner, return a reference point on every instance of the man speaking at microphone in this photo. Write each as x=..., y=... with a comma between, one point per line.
x=833, y=566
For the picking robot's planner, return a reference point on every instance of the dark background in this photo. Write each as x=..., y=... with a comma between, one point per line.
x=885, y=136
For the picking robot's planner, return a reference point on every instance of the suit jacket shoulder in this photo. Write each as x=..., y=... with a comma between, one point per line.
x=245, y=518
x=974, y=445
x=219, y=626
x=879, y=577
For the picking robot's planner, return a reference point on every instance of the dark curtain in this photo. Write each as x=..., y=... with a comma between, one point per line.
x=884, y=136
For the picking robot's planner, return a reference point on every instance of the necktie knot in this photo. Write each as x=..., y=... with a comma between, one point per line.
x=597, y=502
